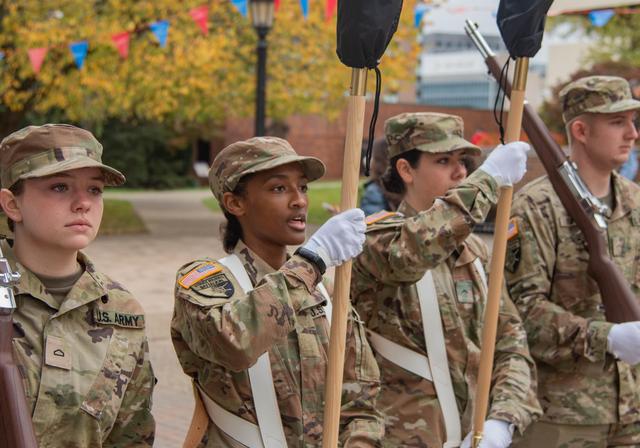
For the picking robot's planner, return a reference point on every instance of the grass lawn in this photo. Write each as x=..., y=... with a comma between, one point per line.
x=319, y=192
x=119, y=218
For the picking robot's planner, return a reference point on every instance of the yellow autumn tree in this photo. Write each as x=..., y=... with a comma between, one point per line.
x=195, y=81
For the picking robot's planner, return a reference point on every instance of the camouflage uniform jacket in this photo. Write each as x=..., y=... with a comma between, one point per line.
x=579, y=382
x=85, y=363
x=218, y=332
x=398, y=251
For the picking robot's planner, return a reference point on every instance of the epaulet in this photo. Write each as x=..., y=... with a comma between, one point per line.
x=199, y=273
x=379, y=216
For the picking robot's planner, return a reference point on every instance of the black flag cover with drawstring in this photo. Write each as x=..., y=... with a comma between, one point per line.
x=521, y=24
x=365, y=28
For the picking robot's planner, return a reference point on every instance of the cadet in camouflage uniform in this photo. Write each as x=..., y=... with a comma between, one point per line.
x=432, y=231
x=219, y=331
x=589, y=398
x=79, y=337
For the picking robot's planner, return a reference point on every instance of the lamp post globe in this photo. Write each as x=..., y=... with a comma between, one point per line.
x=261, y=12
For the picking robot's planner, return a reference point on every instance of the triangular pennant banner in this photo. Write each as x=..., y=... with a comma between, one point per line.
x=418, y=13
x=200, y=15
x=304, y=4
x=241, y=6
x=36, y=56
x=161, y=30
x=79, y=51
x=601, y=17
x=121, y=41
x=276, y=4
x=330, y=9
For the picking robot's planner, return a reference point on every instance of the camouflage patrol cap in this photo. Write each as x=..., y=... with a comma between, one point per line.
x=255, y=155
x=599, y=94
x=426, y=131
x=37, y=151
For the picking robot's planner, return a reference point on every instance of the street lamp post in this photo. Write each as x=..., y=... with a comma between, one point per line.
x=262, y=18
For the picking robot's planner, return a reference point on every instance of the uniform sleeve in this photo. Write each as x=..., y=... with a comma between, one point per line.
x=234, y=332
x=403, y=253
x=556, y=336
x=513, y=391
x=361, y=423
x=135, y=425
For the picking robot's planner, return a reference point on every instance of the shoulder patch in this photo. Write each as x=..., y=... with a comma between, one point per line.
x=378, y=216
x=199, y=273
x=217, y=286
x=512, y=229
x=514, y=255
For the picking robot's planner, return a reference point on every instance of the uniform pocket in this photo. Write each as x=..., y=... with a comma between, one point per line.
x=107, y=391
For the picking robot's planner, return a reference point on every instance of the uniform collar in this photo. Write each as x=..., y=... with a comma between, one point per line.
x=625, y=199
x=406, y=210
x=89, y=287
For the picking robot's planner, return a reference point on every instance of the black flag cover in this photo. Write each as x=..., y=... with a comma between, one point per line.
x=365, y=28
x=521, y=24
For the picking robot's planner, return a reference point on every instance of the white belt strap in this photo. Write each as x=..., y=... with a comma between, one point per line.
x=434, y=339
x=401, y=356
x=260, y=377
x=477, y=263
x=237, y=428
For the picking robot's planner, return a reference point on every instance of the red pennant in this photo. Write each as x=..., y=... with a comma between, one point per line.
x=36, y=56
x=200, y=15
x=276, y=4
x=121, y=41
x=330, y=9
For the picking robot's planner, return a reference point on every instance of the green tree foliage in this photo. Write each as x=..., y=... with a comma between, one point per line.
x=192, y=84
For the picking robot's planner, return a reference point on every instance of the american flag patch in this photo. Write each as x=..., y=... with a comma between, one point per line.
x=379, y=216
x=198, y=273
x=512, y=229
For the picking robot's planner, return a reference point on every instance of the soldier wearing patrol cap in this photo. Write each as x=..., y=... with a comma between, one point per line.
x=420, y=287
x=252, y=328
x=589, y=381
x=79, y=337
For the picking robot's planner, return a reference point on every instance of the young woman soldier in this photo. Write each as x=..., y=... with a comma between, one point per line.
x=420, y=287
x=252, y=328
x=79, y=336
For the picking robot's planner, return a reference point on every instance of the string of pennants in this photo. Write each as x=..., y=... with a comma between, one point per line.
x=598, y=18
x=160, y=30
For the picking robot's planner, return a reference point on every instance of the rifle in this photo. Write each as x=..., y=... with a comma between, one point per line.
x=620, y=303
x=16, y=430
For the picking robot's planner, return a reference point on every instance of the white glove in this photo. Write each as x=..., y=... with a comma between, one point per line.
x=507, y=163
x=496, y=434
x=340, y=238
x=623, y=342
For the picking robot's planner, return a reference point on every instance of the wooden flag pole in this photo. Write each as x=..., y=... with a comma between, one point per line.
x=496, y=271
x=340, y=314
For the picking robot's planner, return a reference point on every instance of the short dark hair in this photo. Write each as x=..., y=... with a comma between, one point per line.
x=391, y=178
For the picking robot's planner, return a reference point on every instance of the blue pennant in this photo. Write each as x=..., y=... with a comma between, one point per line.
x=241, y=6
x=304, y=4
x=161, y=31
x=418, y=13
x=79, y=51
x=601, y=17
